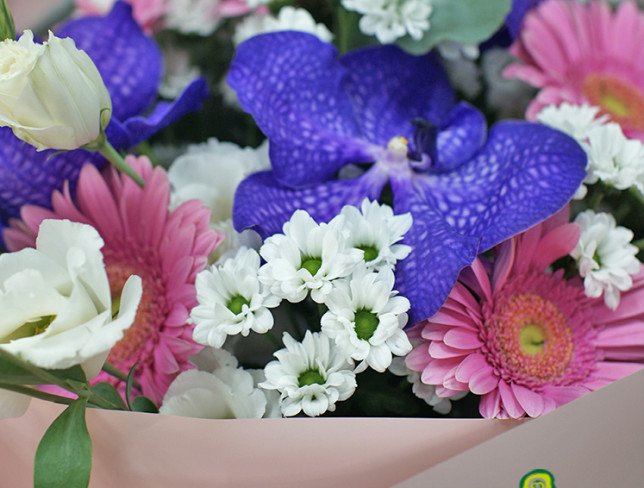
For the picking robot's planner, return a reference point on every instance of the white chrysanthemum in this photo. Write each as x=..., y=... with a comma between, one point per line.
x=366, y=318
x=375, y=230
x=421, y=390
x=311, y=376
x=288, y=19
x=211, y=172
x=307, y=257
x=192, y=16
x=605, y=257
x=232, y=300
x=225, y=392
x=575, y=120
x=615, y=159
x=389, y=20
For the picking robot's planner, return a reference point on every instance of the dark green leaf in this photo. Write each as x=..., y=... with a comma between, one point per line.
x=64, y=455
x=464, y=21
x=13, y=374
x=129, y=383
x=109, y=396
x=7, y=27
x=143, y=404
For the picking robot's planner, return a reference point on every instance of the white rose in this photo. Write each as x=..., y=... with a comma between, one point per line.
x=57, y=306
x=51, y=95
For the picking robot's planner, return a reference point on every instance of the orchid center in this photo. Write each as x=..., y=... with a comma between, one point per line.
x=532, y=339
x=236, y=304
x=623, y=102
x=366, y=324
x=370, y=252
x=310, y=377
x=30, y=329
x=398, y=147
x=312, y=265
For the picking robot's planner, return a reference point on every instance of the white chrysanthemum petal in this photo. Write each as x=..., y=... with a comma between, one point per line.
x=605, y=257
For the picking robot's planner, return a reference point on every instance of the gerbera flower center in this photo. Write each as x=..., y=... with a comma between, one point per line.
x=236, y=304
x=366, y=324
x=310, y=377
x=312, y=265
x=532, y=337
x=152, y=308
x=619, y=99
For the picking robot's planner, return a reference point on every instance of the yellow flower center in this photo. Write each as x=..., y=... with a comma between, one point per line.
x=622, y=101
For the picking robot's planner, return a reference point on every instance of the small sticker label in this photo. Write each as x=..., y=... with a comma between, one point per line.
x=538, y=478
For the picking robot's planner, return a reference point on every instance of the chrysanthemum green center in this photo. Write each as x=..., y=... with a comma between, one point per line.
x=366, y=324
x=31, y=329
x=370, y=252
x=310, y=377
x=312, y=265
x=236, y=304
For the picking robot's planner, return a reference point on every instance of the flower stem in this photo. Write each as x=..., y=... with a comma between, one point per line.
x=106, y=150
x=32, y=392
x=46, y=377
x=118, y=374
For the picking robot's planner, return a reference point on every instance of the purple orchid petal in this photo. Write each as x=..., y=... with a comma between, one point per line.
x=142, y=127
x=292, y=84
x=389, y=88
x=439, y=253
x=29, y=176
x=129, y=62
x=263, y=204
x=514, y=20
x=462, y=134
x=525, y=173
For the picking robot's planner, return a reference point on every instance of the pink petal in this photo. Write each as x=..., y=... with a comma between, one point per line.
x=529, y=400
x=490, y=404
x=510, y=402
x=462, y=339
x=418, y=358
x=556, y=244
x=471, y=365
x=484, y=381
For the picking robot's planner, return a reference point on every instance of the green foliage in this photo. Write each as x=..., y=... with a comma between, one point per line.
x=144, y=404
x=64, y=455
x=464, y=21
x=108, y=395
x=7, y=27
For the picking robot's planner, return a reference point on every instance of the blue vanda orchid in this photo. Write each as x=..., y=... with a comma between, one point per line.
x=394, y=115
x=132, y=67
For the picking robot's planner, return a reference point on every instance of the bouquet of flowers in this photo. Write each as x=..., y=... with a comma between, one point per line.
x=267, y=208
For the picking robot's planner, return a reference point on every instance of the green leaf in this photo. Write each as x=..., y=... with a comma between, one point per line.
x=464, y=21
x=129, y=383
x=111, y=399
x=64, y=455
x=16, y=371
x=7, y=27
x=11, y=373
x=143, y=404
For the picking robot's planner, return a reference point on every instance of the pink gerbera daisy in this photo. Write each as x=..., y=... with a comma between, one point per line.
x=526, y=339
x=165, y=248
x=585, y=53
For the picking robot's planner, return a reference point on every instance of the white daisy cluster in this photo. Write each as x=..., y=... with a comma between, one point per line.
x=605, y=257
x=390, y=20
x=345, y=265
x=612, y=157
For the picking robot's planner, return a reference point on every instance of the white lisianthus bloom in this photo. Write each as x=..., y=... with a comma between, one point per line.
x=225, y=392
x=389, y=20
x=232, y=300
x=375, y=230
x=421, y=390
x=311, y=376
x=288, y=19
x=307, y=257
x=366, y=318
x=56, y=303
x=211, y=172
x=605, y=257
x=51, y=95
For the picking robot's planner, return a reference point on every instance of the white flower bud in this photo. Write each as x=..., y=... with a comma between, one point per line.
x=51, y=95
